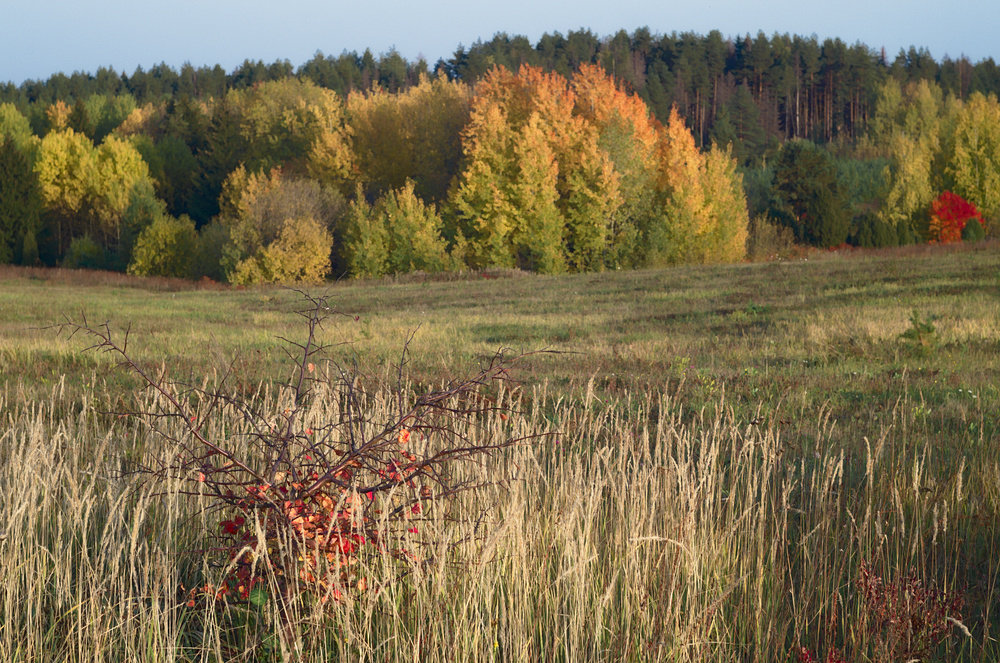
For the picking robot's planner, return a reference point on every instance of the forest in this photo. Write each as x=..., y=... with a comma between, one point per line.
x=577, y=153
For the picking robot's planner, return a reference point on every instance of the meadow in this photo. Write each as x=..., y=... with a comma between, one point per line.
x=718, y=463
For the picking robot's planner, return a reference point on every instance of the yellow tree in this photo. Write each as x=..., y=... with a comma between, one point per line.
x=908, y=127
x=411, y=135
x=686, y=215
x=974, y=166
x=65, y=167
x=15, y=126
x=58, y=115
x=504, y=104
x=120, y=174
x=587, y=182
x=484, y=215
x=910, y=175
x=299, y=254
x=148, y=120
x=704, y=208
x=279, y=227
x=294, y=124
x=726, y=237
x=537, y=236
x=629, y=135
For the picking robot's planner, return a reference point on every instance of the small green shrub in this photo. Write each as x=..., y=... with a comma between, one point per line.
x=29, y=249
x=921, y=338
x=973, y=231
x=210, y=252
x=872, y=232
x=907, y=234
x=85, y=253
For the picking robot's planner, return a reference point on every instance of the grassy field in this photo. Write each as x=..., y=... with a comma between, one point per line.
x=728, y=445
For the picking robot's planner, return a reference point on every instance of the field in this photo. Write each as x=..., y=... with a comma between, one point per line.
x=722, y=463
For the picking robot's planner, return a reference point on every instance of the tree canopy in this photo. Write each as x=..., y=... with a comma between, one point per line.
x=574, y=153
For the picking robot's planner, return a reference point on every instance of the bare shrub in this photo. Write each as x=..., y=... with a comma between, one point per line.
x=312, y=494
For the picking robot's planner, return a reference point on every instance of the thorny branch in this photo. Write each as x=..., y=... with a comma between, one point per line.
x=303, y=501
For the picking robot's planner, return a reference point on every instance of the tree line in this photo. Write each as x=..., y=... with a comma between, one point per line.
x=288, y=181
x=758, y=89
x=576, y=153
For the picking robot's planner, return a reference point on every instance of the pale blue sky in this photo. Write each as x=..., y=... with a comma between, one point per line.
x=41, y=37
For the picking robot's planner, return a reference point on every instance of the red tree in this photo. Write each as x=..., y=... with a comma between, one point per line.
x=949, y=214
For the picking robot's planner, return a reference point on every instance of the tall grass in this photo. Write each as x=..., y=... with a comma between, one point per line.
x=633, y=531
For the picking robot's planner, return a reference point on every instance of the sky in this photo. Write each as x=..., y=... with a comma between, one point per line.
x=41, y=37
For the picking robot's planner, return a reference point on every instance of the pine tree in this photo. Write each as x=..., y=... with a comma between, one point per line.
x=20, y=205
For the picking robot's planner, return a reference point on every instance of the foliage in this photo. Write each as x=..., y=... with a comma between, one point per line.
x=283, y=121
x=210, y=252
x=908, y=124
x=481, y=208
x=806, y=195
x=143, y=208
x=921, y=337
x=98, y=115
x=974, y=232
x=703, y=205
x=366, y=242
x=577, y=174
x=65, y=166
x=88, y=190
x=873, y=232
x=15, y=127
x=165, y=248
x=85, y=253
x=537, y=236
x=300, y=253
x=413, y=232
x=725, y=238
x=905, y=619
x=20, y=205
x=974, y=166
x=280, y=228
x=533, y=108
x=173, y=168
x=950, y=213
x=547, y=157
x=411, y=135
x=767, y=240
x=120, y=175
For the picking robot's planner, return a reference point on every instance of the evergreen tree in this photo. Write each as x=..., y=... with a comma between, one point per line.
x=20, y=205
x=807, y=197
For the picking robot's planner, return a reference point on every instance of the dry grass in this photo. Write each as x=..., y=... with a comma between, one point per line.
x=728, y=444
x=640, y=537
